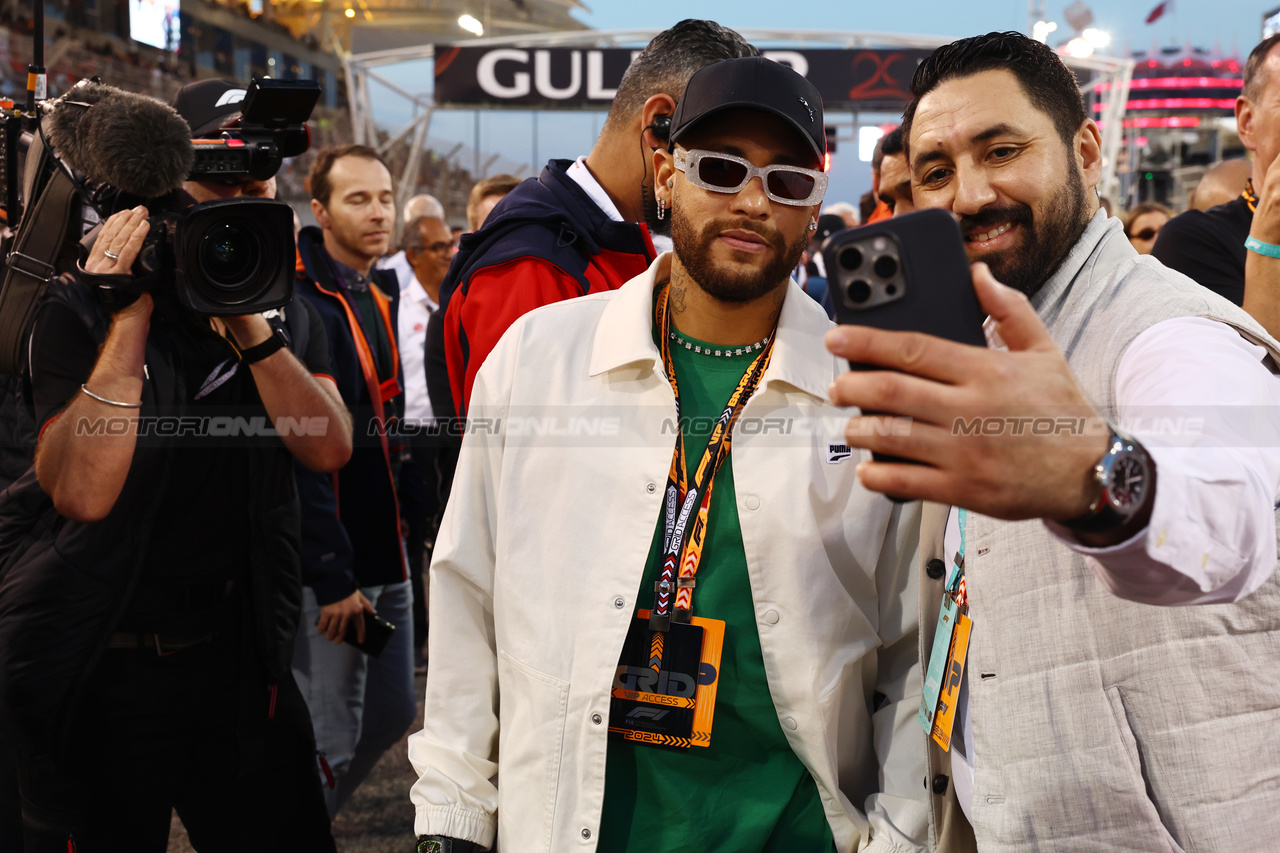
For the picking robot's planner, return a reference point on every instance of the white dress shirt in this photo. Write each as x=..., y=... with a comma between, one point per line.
x=416, y=308
x=581, y=175
x=400, y=264
x=1200, y=399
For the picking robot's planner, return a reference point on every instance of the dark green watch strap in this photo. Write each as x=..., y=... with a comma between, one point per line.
x=443, y=844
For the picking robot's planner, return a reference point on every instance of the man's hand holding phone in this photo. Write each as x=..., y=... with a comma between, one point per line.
x=998, y=469
x=335, y=617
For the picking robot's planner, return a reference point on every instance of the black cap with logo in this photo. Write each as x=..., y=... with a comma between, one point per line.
x=752, y=83
x=828, y=224
x=209, y=106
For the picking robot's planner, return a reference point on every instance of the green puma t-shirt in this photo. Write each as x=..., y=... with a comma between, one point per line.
x=747, y=791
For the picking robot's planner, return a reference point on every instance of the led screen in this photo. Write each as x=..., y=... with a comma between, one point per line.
x=154, y=22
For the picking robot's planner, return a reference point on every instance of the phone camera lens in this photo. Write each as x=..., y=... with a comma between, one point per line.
x=886, y=266
x=850, y=259
x=859, y=291
x=891, y=290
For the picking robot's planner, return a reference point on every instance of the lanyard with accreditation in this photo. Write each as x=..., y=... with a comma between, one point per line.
x=665, y=688
x=942, y=679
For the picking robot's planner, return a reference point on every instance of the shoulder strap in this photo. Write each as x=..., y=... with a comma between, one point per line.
x=41, y=235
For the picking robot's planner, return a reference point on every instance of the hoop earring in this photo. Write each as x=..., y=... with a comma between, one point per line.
x=662, y=206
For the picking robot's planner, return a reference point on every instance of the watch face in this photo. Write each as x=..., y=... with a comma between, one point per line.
x=1127, y=484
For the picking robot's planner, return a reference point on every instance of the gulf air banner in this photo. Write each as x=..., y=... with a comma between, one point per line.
x=588, y=78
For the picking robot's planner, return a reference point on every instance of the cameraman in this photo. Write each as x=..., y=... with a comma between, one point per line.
x=148, y=609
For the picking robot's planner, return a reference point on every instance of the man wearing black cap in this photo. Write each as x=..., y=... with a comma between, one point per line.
x=719, y=662
x=814, y=279
x=208, y=106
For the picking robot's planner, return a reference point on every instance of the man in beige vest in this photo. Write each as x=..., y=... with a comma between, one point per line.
x=1084, y=718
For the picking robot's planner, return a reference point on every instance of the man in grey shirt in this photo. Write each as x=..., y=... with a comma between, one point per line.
x=1085, y=719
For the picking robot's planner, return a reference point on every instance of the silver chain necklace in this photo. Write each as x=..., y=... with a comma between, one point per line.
x=724, y=352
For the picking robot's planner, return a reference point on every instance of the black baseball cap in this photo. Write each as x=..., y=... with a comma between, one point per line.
x=828, y=224
x=752, y=83
x=209, y=106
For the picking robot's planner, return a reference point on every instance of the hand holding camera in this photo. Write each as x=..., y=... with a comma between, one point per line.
x=119, y=243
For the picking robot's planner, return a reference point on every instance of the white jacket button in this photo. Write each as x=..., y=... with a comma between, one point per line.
x=651, y=488
x=790, y=723
x=752, y=502
x=771, y=616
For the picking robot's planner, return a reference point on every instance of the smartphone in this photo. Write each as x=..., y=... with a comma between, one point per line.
x=906, y=274
x=377, y=633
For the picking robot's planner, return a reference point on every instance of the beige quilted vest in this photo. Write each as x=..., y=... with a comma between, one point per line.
x=1099, y=724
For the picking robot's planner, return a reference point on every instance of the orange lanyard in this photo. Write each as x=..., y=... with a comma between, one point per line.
x=1249, y=196
x=685, y=504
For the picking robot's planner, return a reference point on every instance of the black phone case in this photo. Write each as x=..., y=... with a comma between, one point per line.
x=936, y=291
x=938, y=299
x=377, y=633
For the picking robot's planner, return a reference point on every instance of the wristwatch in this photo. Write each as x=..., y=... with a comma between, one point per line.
x=441, y=844
x=279, y=340
x=1126, y=478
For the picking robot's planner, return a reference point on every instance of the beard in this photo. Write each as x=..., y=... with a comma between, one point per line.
x=1045, y=244
x=693, y=248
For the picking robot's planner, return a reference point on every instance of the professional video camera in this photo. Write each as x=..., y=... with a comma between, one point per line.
x=233, y=256
x=103, y=149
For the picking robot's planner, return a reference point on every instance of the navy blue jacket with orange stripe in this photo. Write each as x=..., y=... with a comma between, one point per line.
x=350, y=519
x=546, y=241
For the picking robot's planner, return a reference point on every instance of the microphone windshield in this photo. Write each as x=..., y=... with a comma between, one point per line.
x=134, y=143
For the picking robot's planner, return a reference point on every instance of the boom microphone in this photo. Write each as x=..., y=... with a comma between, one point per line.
x=132, y=142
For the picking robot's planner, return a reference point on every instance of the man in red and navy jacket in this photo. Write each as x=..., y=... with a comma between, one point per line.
x=582, y=226
x=353, y=559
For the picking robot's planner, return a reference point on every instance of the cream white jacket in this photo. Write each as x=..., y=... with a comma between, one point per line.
x=539, y=559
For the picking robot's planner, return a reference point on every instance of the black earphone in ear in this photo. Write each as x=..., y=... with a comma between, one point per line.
x=661, y=127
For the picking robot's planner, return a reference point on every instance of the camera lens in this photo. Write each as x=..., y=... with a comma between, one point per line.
x=850, y=259
x=886, y=266
x=859, y=291
x=230, y=254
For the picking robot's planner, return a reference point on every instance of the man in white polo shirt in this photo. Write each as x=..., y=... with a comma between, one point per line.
x=428, y=249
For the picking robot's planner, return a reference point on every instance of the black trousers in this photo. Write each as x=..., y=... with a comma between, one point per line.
x=199, y=731
x=421, y=507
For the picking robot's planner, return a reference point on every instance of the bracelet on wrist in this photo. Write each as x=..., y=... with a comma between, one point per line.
x=1270, y=250
x=116, y=403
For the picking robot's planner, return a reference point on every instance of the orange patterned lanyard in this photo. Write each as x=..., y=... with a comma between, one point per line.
x=1249, y=196
x=685, y=504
